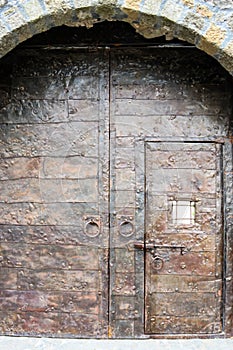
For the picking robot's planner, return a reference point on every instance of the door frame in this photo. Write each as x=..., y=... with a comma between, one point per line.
x=227, y=239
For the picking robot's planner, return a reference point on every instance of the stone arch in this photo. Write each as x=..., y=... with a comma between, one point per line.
x=207, y=26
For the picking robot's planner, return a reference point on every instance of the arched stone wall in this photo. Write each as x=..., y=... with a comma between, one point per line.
x=206, y=23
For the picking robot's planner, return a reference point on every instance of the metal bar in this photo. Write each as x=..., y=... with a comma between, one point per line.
x=212, y=139
x=105, y=46
x=142, y=245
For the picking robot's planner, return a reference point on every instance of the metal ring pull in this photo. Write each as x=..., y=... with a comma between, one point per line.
x=92, y=227
x=157, y=263
x=126, y=228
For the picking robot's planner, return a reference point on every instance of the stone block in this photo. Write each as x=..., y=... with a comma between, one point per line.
x=225, y=57
x=221, y=4
x=204, y=11
x=132, y=4
x=195, y=22
x=13, y=17
x=151, y=6
x=185, y=34
x=6, y=39
x=212, y=39
x=57, y=5
x=60, y=11
x=172, y=11
x=189, y=3
x=33, y=9
x=84, y=3
x=225, y=18
x=18, y=23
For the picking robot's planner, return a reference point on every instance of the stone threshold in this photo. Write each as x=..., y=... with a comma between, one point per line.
x=26, y=343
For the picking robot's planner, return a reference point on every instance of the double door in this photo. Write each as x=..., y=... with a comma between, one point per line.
x=111, y=202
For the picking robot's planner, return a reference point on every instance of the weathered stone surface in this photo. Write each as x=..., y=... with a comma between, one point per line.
x=189, y=3
x=212, y=39
x=194, y=22
x=33, y=9
x=172, y=12
x=204, y=11
x=13, y=17
x=226, y=57
x=151, y=6
x=84, y=344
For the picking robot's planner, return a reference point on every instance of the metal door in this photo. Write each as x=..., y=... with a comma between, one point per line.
x=183, y=238
x=54, y=194
x=92, y=240
x=166, y=210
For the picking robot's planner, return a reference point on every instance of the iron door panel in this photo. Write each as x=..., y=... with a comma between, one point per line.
x=77, y=145
x=55, y=202
x=183, y=238
x=155, y=95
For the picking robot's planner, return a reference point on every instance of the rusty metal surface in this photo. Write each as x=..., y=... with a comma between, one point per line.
x=201, y=308
x=161, y=97
x=54, y=197
x=84, y=181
